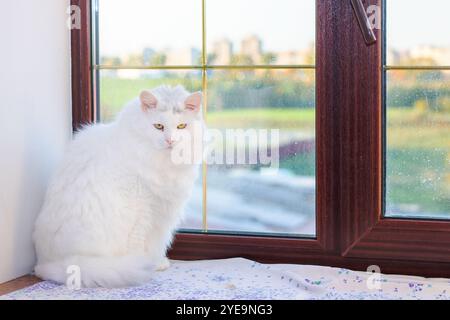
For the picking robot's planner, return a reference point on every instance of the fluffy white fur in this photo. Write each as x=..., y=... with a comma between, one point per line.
x=117, y=197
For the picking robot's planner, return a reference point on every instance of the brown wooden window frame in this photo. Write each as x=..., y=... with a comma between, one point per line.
x=351, y=229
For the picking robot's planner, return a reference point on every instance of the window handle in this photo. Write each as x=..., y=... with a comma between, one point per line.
x=363, y=21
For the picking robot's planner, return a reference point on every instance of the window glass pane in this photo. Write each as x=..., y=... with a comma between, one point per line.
x=263, y=196
x=418, y=144
x=260, y=32
x=274, y=193
x=418, y=32
x=418, y=109
x=149, y=32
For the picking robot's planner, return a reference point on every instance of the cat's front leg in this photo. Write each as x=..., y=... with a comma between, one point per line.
x=158, y=256
x=157, y=246
x=163, y=264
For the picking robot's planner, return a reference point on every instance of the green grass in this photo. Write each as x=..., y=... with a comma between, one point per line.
x=302, y=164
x=283, y=118
x=419, y=176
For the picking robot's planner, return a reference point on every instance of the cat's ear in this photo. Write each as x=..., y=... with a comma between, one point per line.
x=148, y=100
x=193, y=102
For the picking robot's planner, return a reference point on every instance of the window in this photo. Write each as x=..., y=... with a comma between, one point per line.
x=254, y=78
x=418, y=110
x=362, y=210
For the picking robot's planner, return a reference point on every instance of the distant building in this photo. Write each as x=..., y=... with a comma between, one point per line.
x=292, y=57
x=394, y=57
x=252, y=47
x=440, y=55
x=188, y=56
x=147, y=55
x=223, y=51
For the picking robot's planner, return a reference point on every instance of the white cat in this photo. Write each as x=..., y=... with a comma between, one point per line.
x=117, y=197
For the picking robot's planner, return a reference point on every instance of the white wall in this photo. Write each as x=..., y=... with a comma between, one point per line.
x=35, y=119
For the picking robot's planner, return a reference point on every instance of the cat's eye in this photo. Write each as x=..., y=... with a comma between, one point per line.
x=182, y=126
x=158, y=126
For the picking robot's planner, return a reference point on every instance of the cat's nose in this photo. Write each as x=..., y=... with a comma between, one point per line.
x=169, y=141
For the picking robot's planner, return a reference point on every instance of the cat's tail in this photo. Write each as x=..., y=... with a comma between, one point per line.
x=108, y=272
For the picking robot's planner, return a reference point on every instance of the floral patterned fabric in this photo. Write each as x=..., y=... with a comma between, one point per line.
x=244, y=279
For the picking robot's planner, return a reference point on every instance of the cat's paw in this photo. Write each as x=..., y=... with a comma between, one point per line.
x=163, y=265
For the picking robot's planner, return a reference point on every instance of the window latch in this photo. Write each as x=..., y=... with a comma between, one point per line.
x=363, y=21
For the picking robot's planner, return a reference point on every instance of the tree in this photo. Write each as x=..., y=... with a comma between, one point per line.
x=158, y=59
x=268, y=58
x=211, y=58
x=110, y=61
x=135, y=59
x=241, y=59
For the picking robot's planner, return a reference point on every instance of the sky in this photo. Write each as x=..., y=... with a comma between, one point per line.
x=418, y=22
x=129, y=26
